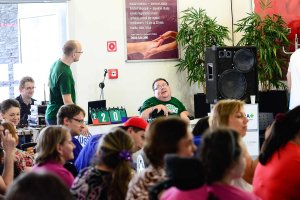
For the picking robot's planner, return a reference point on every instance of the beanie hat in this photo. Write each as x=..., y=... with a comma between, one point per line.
x=136, y=122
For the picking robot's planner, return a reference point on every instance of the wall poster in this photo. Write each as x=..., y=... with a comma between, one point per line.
x=289, y=10
x=151, y=27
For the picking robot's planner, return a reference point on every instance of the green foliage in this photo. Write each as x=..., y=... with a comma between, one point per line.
x=269, y=34
x=197, y=31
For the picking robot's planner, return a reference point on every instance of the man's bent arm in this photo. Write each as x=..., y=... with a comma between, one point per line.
x=185, y=115
x=67, y=98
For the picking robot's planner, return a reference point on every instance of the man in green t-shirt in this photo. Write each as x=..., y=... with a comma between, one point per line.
x=163, y=102
x=61, y=82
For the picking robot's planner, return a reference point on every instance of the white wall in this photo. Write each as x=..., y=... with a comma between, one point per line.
x=95, y=22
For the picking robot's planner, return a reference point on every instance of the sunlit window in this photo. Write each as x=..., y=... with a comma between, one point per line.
x=31, y=37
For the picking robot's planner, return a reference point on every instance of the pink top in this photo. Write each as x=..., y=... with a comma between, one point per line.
x=57, y=169
x=222, y=192
x=279, y=178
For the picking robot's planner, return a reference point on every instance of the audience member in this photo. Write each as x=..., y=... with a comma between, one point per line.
x=61, y=82
x=230, y=113
x=293, y=79
x=54, y=148
x=10, y=110
x=135, y=127
x=277, y=174
x=109, y=178
x=26, y=88
x=72, y=117
x=23, y=161
x=201, y=126
x=162, y=103
x=8, y=145
x=164, y=136
x=37, y=186
x=222, y=157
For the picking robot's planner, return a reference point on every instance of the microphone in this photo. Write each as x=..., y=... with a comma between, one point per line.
x=101, y=84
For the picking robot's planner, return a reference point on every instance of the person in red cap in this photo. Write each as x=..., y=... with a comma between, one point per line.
x=135, y=127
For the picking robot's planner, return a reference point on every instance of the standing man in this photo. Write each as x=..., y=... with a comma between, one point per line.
x=26, y=88
x=163, y=102
x=293, y=79
x=61, y=82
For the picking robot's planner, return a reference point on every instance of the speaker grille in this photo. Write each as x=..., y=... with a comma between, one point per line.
x=231, y=73
x=244, y=60
x=232, y=84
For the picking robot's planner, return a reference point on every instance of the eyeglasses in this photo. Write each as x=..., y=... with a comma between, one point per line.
x=78, y=51
x=29, y=88
x=79, y=120
x=159, y=87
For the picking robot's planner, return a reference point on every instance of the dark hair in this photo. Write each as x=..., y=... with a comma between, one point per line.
x=69, y=47
x=159, y=79
x=283, y=130
x=24, y=80
x=114, y=151
x=135, y=129
x=162, y=138
x=220, y=148
x=7, y=104
x=201, y=126
x=36, y=186
x=69, y=111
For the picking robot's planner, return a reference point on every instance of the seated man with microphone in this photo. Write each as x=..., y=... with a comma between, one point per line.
x=162, y=103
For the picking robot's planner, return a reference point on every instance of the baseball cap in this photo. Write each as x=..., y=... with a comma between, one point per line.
x=136, y=122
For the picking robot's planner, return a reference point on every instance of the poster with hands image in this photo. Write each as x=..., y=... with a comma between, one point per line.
x=151, y=27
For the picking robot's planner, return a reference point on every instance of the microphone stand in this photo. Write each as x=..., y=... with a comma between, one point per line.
x=102, y=85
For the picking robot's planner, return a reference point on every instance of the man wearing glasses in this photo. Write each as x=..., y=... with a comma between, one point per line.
x=72, y=117
x=162, y=103
x=26, y=88
x=61, y=82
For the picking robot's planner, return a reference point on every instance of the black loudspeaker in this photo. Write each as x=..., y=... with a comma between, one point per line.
x=201, y=108
x=231, y=73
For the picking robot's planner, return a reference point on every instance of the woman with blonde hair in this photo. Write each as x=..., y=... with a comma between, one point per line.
x=23, y=160
x=54, y=148
x=109, y=177
x=230, y=113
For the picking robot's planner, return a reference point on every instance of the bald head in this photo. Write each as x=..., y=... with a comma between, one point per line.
x=71, y=46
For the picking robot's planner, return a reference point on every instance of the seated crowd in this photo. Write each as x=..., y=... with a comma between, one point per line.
x=219, y=164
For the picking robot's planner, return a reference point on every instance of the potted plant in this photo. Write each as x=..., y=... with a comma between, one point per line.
x=196, y=32
x=269, y=34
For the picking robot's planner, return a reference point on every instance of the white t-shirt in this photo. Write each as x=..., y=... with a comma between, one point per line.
x=294, y=69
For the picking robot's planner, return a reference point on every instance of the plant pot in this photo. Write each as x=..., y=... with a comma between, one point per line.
x=201, y=108
x=273, y=101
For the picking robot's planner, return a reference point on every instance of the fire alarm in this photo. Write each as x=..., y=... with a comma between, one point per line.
x=111, y=46
x=112, y=73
